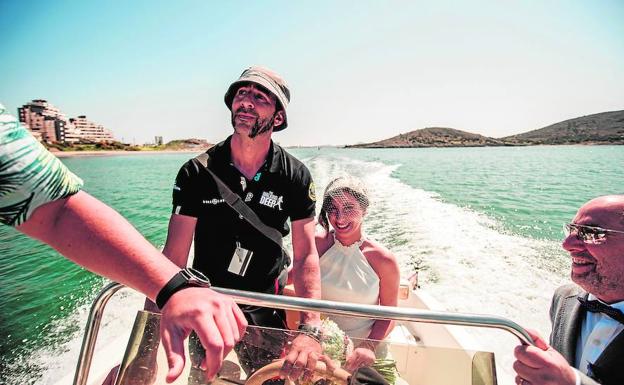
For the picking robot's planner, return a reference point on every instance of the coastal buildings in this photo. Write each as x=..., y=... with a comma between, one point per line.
x=45, y=121
x=90, y=131
x=50, y=125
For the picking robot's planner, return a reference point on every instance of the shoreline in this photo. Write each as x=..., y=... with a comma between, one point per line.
x=74, y=154
x=588, y=143
x=93, y=153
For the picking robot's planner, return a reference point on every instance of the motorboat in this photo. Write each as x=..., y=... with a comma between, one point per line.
x=425, y=347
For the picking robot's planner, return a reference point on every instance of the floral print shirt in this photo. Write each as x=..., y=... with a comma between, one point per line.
x=30, y=175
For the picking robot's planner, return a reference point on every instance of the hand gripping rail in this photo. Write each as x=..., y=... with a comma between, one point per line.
x=303, y=304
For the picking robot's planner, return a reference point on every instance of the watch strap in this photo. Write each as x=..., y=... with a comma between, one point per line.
x=181, y=280
x=311, y=331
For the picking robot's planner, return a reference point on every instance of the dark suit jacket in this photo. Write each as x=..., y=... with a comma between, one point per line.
x=567, y=316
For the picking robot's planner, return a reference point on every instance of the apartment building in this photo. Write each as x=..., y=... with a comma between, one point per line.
x=44, y=120
x=50, y=125
x=87, y=130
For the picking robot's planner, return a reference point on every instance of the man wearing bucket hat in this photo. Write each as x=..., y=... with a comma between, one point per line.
x=229, y=249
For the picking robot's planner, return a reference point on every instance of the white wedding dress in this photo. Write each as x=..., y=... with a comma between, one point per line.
x=346, y=276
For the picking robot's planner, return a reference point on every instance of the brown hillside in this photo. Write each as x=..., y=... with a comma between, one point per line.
x=435, y=137
x=602, y=128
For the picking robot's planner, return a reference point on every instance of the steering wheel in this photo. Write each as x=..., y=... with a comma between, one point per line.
x=267, y=372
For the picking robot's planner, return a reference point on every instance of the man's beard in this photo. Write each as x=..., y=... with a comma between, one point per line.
x=596, y=283
x=260, y=127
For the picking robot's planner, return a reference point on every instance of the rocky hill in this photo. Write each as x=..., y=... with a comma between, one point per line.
x=434, y=137
x=602, y=128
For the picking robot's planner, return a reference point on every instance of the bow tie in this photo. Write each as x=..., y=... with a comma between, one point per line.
x=599, y=307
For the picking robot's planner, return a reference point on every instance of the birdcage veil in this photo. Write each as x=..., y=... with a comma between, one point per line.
x=339, y=189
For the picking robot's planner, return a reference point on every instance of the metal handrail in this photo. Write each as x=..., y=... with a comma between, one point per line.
x=303, y=304
x=91, y=332
x=378, y=312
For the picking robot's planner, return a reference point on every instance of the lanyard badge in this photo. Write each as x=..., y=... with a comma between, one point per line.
x=240, y=260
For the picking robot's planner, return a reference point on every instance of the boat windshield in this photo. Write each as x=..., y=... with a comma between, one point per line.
x=401, y=359
x=425, y=347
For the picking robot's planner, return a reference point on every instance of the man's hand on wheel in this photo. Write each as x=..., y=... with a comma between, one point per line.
x=301, y=357
x=217, y=320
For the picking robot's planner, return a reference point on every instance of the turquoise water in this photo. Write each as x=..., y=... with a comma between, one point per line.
x=40, y=289
x=482, y=224
x=530, y=190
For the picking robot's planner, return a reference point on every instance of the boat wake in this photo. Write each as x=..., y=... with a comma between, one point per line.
x=465, y=259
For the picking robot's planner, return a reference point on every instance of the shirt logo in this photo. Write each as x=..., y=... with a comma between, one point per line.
x=271, y=200
x=213, y=201
x=312, y=192
x=248, y=197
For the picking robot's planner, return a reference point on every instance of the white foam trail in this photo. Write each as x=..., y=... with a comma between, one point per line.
x=116, y=323
x=467, y=263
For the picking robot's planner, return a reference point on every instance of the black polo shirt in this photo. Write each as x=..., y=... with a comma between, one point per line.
x=282, y=189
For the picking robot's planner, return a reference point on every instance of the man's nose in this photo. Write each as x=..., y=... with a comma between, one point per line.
x=247, y=102
x=572, y=243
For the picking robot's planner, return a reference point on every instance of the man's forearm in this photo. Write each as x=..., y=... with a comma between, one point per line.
x=380, y=329
x=307, y=281
x=95, y=236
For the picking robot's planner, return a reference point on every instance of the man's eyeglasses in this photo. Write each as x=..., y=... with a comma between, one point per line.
x=592, y=235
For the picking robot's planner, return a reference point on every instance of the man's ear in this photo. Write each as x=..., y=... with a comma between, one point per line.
x=279, y=118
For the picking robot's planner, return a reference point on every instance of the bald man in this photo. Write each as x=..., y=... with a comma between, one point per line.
x=587, y=339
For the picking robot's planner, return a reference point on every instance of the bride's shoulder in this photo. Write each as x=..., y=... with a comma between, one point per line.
x=374, y=249
x=323, y=239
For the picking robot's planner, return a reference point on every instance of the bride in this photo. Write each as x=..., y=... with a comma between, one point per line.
x=355, y=268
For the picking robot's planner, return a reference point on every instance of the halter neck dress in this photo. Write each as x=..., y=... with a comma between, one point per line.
x=346, y=276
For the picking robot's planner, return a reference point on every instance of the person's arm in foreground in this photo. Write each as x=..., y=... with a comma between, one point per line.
x=95, y=236
x=543, y=365
x=385, y=265
x=305, y=350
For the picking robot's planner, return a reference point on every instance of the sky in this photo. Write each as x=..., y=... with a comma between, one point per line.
x=359, y=71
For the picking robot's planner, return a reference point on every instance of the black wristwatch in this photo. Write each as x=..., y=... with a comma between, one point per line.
x=311, y=331
x=188, y=277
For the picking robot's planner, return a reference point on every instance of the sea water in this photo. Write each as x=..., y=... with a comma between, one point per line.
x=481, y=225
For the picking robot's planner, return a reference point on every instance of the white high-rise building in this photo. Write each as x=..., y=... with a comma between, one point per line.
x=50, y=125
x=72, y=134
x=87, y=130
